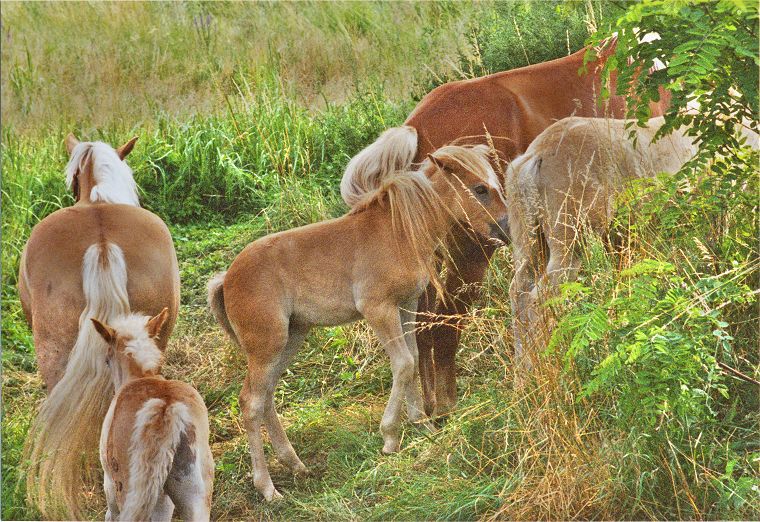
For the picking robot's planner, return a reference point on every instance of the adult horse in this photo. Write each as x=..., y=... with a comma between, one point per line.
x=512, y=107
x=98, y=259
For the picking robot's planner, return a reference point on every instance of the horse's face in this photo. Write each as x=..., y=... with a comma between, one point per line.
x=479, y=203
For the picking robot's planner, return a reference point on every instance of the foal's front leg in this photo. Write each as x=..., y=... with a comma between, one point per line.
x=385, y=320
x=408, y=312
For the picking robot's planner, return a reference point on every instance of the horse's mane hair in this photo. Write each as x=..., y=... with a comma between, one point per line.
x=418, y=214
x=114, y=182
x=139, y=344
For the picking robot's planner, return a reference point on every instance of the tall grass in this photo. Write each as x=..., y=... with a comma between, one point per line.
x=247, y=115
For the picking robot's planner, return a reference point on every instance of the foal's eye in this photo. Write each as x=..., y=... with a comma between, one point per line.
x=481, y=190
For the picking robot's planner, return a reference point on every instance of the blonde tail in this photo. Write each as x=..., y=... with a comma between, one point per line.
x=157, y=432
x=216, y=304
x=62, y=441
x=393, y=151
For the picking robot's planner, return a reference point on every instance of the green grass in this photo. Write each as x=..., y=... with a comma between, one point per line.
x=245, y=127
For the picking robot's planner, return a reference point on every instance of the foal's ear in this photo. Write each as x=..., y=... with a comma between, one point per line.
x=125, y=149
x=155, y=323
x=106, y=332
x=71, y=141
x=437, y=162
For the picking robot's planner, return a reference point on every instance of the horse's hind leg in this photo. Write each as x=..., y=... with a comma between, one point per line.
x=280, y=442
x=163, y=510
x=264, y=346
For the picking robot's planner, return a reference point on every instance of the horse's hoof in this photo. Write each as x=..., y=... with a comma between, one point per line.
x=390, y=448
x=300, y=470
x=272, y=495
x=441, y=420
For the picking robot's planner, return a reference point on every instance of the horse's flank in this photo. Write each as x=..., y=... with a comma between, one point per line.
x=564, y=185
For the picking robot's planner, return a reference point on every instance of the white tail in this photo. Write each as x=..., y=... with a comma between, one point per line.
x=393, y=151
x=153, y=444
x=68, y=425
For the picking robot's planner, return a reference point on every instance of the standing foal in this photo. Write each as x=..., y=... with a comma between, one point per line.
x=154, y=443
x=374, y=262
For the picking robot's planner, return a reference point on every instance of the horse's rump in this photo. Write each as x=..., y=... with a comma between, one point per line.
x=69, y=421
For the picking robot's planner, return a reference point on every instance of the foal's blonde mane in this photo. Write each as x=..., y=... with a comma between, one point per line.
x=114, y=182
x=418, y=214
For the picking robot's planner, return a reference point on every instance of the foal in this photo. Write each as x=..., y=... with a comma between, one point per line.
x=373, y=262
x=565, y=183
x=154, y=443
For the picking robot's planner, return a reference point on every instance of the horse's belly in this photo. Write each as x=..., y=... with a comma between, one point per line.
x=323, y=309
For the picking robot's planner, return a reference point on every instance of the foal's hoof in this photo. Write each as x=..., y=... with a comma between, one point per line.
x=391, y=447
x=300, y=470
x=272, y=495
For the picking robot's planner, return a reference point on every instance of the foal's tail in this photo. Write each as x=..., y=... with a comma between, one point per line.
x=62, y=442
x=216, y=304
x=392, y=152
x=157, y=432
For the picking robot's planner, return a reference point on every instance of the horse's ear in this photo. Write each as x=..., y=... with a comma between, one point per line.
x=155, y=323
x=125, y=149
x=106, y=332
x=437, y=162
x=71, y=141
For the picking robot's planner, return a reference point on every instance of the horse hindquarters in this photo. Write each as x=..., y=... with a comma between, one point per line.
x=69, y=420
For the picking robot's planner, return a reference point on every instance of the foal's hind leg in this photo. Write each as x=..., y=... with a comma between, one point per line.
x=263, y=343
x=282, y=447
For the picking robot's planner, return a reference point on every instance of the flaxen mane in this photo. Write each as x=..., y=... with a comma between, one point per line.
x=417, y=212
x=114, y=180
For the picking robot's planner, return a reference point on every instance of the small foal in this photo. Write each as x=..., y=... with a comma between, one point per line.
x=374, y=262
x=154, y=444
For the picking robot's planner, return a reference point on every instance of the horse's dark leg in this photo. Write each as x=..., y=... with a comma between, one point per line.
x=425, y=309
x=440, y=333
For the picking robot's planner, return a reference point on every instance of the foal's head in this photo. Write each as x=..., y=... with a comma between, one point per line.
x=97, y=172
x=132, y=350
x=476, y=198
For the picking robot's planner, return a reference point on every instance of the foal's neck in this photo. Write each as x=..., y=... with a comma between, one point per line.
x=123, y=373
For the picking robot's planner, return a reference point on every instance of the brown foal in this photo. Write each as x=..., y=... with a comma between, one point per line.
x=374, y=262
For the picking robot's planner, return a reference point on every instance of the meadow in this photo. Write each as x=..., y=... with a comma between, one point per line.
x=247, y=115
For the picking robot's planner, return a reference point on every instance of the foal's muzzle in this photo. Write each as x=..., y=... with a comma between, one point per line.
x=500, y=231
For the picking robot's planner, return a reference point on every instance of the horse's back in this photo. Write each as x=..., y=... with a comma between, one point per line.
x=50, y=275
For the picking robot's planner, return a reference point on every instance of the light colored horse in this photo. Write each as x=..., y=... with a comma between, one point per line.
x=513, y=107
x=374, y=262
x=565, y=184
x=96, y=259
x=154, y=443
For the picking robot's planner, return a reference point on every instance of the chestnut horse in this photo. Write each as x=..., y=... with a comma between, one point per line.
x=374, y=262
x=512, y=107
x=98, y=258
x=154, y=444
x=565, y=184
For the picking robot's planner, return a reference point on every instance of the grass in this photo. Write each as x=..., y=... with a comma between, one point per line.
x=247, y=115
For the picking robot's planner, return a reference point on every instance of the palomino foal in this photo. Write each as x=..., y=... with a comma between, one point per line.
x=374, y=262
x=154, y=443
x=564, y=184
x=99, y=258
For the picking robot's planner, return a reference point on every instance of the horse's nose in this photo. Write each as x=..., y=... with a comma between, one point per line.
x=500, y=230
